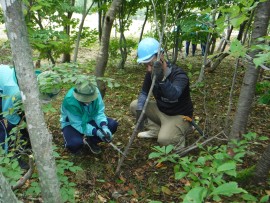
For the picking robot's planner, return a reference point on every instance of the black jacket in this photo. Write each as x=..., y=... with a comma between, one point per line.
x=172, y=95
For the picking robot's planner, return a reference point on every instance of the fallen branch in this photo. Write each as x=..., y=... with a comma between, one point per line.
x=26, y=176
x=184, y=151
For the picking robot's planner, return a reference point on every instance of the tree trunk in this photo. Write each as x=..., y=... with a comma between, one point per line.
x=228, y=36
x=66, y=56
x=103, y=55
x=144, y=23
x=41, y=139
x=263, y=167
x=85, y=12
x=241, y=30
x=261, y=21
x=6, y=194
x=100, y=18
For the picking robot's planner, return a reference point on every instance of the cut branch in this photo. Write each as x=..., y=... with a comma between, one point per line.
x=28, y=174
x=135, y=131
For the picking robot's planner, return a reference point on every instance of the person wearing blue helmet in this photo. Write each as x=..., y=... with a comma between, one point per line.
x=171, y=93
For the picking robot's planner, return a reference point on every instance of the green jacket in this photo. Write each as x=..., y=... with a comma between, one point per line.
x=78, y=115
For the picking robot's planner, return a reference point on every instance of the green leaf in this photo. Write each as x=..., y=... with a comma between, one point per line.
x=180, y=175
x=201, y=160
x=238, y=20
x=227, y=166
x=231, y=173
x=166, y=190
x=195, y=195
x=169, y=148
x=14, y=165
x=227, y=189
x=249, y=197
x=237, y=49
x=265, y=198
x=154, y=155
x=35, y=8
x=263, y=138
x=260, y=59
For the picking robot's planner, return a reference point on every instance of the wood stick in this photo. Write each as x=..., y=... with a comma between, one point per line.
x=135, y=131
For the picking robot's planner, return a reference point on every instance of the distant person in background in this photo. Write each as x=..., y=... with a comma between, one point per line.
x=202, y=35
x=193, y=40
x=203, y=30
x=83, y=120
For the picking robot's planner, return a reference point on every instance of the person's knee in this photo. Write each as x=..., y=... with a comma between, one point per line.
x=74, y=146
x=175, y=140
x=164, y=141
x=133, y=106
x=113, y=124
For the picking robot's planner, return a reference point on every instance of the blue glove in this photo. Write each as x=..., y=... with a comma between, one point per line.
x=108, y=133
x=158, y=71
x=100, y=134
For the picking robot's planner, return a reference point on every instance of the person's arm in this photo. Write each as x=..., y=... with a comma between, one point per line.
x=172, y=90
x=144, y=92
x=76, y=122
x=100, y=117
x=11, y=95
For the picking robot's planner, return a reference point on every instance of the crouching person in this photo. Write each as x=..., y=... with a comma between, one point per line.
x=10, y=99
x=83, y=119
x=171, y=93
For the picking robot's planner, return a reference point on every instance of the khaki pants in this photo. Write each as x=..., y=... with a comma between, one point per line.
x=169, y=129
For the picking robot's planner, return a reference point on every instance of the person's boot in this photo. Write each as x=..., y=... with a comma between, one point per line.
x=148, y=134
x=23, y=164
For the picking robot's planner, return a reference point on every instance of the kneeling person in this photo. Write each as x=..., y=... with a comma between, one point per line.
x=171, y=93
x=83, y=118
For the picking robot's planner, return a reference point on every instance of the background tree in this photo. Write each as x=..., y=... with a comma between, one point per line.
x=85, y=12
x=260, y=26
x=41, y=139
x=103, y=55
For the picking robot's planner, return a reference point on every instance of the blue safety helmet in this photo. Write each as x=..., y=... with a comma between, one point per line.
x=147, y=48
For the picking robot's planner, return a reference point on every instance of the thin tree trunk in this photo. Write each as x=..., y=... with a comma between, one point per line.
x=247, y=27
x=103, y=55
x=144, y=23
x=261, y=21
x=241, y=30
x=229, y=32
x=41, y=139
x=263, y=167
x=85, y=13
x=66, y=56
x=6, y=194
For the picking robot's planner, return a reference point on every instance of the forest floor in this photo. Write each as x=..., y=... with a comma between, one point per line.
x=140, y=179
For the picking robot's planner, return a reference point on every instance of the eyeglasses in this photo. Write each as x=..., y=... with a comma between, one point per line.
x=150, y=63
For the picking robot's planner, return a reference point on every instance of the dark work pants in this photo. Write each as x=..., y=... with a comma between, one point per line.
x=203, y=46
x=194, y=46
x=74, y=139
x=5, y=131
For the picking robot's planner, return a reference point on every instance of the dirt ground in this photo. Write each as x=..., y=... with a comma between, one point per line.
x=140, y=180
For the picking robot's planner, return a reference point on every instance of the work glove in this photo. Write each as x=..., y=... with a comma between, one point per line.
x=141, y=125
x=100, y=134
x=107, y=134
x=158, y=71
